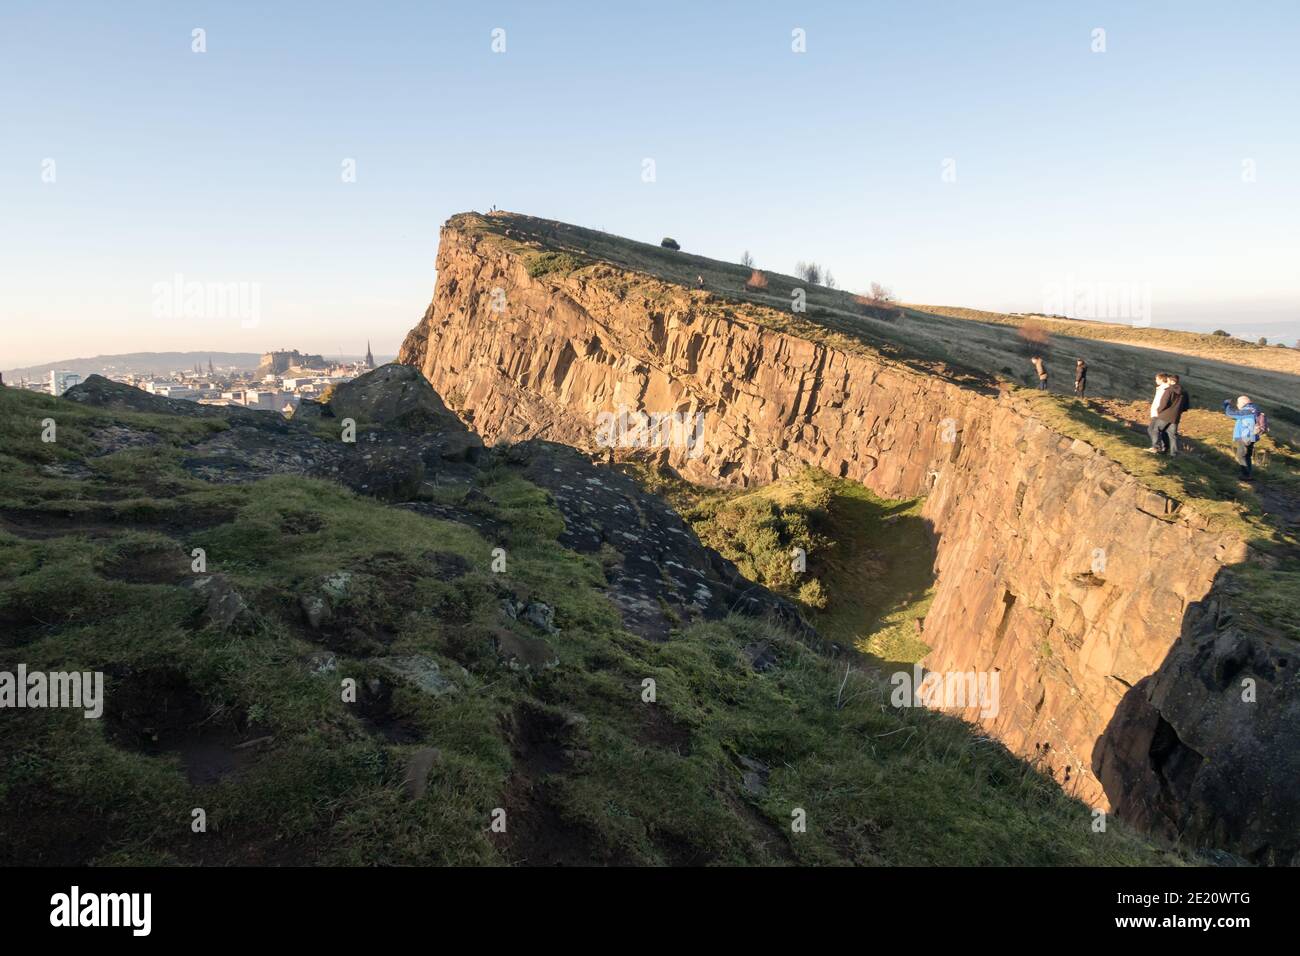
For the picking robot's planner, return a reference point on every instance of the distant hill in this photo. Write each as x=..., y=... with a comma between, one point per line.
x=148, y=363
x=138, y=363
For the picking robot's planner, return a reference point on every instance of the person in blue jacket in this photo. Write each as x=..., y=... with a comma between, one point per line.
x=1243, y=433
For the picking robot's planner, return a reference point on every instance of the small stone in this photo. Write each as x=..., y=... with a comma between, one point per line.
x=336, y=585
x=542, y=616
x=316, y=609
x=322, y=662
x=418, y=767
x=226, y=608
x=761, y=655
x=754, y=777
x=517, y=651
x=424, y=672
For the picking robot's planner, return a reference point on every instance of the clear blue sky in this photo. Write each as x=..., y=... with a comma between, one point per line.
x=225, y=166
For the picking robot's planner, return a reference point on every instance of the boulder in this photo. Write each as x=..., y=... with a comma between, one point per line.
x=310, y=411
x=224, y=607
x=394, y=395
x=1197, y=750
x=102, y=392
x=384, y=473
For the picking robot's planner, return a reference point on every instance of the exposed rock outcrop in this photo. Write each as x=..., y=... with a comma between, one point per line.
x=1207, y=744
x=658, y=574
x=396, y=396
x=1055, y=567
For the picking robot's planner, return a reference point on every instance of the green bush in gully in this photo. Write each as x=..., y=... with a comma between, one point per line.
x=547, y=262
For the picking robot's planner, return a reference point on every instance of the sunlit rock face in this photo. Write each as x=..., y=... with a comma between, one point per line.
x=1055, y=568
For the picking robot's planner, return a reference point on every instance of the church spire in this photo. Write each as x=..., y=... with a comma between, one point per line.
x=370, y=358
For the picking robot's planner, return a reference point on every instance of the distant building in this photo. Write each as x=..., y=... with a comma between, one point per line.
x=270, y=399
x=370, y=357
x=60, y=382
x=174, y=390
x=280, y=361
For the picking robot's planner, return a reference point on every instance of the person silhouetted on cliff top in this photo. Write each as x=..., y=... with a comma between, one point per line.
x=1250, y=427
x=1170, y=412
x=1080, y=377
x=1041, y=369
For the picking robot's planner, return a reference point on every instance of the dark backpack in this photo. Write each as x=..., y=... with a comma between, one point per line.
x=1261, y=425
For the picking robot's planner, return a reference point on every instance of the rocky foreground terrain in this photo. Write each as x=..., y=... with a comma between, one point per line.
x=410, y=648
x=1135, y=611
x=398, y=630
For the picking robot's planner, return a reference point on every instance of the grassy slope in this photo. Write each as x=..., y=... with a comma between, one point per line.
x=871, y=559
x=555, y=748
x=1217, y=347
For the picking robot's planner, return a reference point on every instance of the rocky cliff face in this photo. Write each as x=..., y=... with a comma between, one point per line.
x=1055, y=568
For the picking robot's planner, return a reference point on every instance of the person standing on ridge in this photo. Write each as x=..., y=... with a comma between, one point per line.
x=1170, y=412
x=1041, y=369
x=1247, y=430
x=1156, y=429
x=1080, y=377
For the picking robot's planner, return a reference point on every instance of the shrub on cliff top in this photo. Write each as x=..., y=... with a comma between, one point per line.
x=879, y=304
x=810, y=272
x=669, y=244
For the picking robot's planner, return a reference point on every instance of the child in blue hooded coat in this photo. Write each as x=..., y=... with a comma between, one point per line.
x=1244, y=433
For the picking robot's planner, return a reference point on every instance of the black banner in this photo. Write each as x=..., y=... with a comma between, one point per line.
x=216, y=906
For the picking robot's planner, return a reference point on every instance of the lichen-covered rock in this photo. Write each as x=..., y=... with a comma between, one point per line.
x=223, y=607
x=422, y=672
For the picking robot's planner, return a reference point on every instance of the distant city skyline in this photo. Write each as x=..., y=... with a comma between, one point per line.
x=240, y=177
x=172, y=360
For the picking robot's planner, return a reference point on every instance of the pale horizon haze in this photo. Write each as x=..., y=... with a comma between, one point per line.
x=960, y=154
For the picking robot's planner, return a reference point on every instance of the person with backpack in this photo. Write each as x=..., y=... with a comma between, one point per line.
x=1251, y=425
x=1170, y=411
